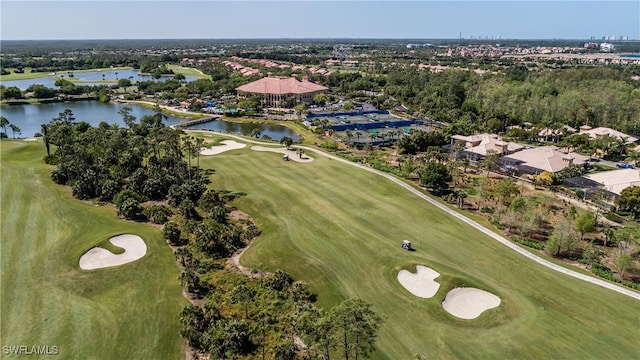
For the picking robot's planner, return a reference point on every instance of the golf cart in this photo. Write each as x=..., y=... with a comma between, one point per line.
x=406, y=244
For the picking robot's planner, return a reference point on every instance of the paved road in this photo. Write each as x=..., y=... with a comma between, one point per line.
x=478, y=226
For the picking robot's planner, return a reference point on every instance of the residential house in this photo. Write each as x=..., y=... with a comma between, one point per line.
x=607, y=185
x=599, y=132
x=543, y=158
x=475, y=147
x=549, y=134
x=615, y=181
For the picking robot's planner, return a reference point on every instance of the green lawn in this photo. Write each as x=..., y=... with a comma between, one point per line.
x=35, y=75
x=126, y=312
x=340, y=228
x=187, y=71
x=27, y=74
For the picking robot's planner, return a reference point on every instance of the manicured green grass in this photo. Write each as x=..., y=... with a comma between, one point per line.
x=35, y=75
x=125, y=312
x=27, y=74
x=340, y=229
x=187, y=71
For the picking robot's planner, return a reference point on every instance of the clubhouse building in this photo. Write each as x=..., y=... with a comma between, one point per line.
x=280, y=91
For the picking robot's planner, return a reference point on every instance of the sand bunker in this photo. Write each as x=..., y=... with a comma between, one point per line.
x=469, y=303
x=227, y=145
x=420, y=284
x=96, y=258
x=291, y=152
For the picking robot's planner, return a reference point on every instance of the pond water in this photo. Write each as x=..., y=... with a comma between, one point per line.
x=29, y=118
x=89, y=78
x=276, y=132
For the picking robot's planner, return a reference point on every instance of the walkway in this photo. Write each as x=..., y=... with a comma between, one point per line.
x=478, y=226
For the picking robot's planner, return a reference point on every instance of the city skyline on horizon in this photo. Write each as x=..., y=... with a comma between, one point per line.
x=470, y=20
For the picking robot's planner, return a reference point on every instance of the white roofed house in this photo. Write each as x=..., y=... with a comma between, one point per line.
x=544, y=158
x=615, y=181
x=600, y=132
x=607, y=183
x=476, y=147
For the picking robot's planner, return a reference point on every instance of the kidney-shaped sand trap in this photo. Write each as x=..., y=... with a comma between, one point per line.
x=96, y=258
x=226, y=146
x=420, y=284
x=469, y=303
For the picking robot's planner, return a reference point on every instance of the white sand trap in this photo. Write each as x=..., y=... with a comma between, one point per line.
x=227, y=145
x=420, y=284
x=292, y=153
x=96, y=258
x=469, y=303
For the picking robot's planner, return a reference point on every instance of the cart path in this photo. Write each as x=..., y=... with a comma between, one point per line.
x=506, y=242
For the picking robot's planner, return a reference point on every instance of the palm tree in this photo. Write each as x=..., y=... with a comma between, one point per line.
x=46, y=138
x=4, y=122
x=358, y=134
x=490, y=162
x=349, y=135
x=116, y=75
x=188, y=147
x=199, y=144
x=461, y=195
x=15, y=129
x=633, y=157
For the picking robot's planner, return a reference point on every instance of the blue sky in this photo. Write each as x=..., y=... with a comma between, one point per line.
x=22, y=20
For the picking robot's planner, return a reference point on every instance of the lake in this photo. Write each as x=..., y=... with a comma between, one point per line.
x=89, y=78
x=29, y=118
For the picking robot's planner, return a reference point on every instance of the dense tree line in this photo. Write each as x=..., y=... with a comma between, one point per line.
x=595, y=96
x=144, y=160
x=592, y=96
x=64, y=88
x=274, y=318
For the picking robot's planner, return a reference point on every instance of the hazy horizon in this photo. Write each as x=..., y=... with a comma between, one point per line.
x=257, y=20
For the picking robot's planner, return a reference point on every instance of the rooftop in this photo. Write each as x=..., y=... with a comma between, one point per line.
x=547, y=158
x=280, y=86
x=604, y=131
x=617, y=180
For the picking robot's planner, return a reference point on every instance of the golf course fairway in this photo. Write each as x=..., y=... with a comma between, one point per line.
x=340, y=228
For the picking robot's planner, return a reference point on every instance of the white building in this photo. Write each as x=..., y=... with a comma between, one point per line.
x=607, y=47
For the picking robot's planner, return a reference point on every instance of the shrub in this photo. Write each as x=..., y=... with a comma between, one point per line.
x=128, y=204
x=471, y=191
x=129, y=209
x=59, y=176
x=171, y=233
x=158, y=214
x=532, y=244
x=604, y=272
x=51, y=160
x=631, y=285
x=614, y=217
x=486, y=210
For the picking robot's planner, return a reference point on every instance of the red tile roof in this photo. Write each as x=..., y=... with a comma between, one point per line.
x=281, y=86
